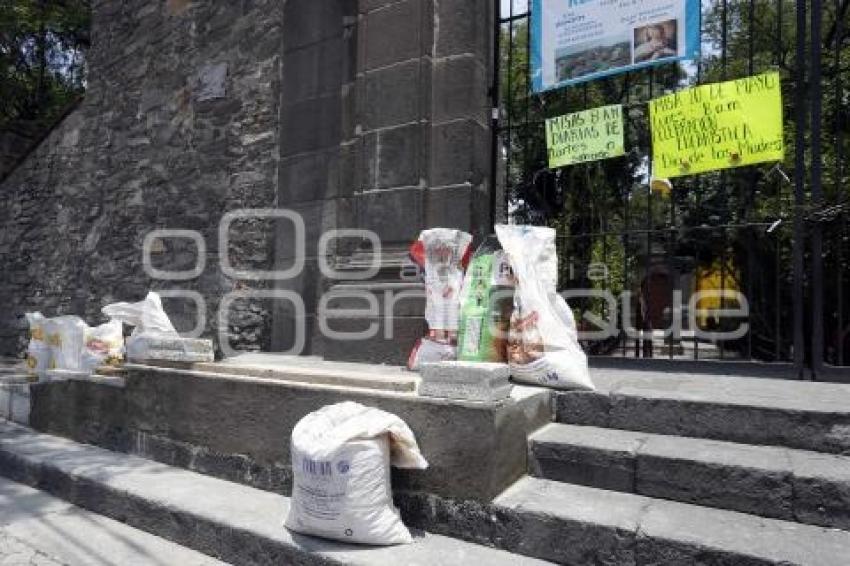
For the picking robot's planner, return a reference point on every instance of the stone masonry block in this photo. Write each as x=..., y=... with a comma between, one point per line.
x=309, y=177
x=465, y=27
x=396, y=216
x=398, y=156
x=393, y=95
x=313, y=71
x=470, y=381
x=393, y=34
x=307, y=21
x=311, y=124
x=460, y=89
x=456, y=147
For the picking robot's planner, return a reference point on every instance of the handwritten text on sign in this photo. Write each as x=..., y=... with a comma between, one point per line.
x=717, y=126
x=585, y=136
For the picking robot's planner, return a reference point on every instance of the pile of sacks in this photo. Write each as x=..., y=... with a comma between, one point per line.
x=499, y=305
x=68, y=344
x=65, y=346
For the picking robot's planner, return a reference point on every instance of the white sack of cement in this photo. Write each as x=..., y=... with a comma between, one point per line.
x=341, y=457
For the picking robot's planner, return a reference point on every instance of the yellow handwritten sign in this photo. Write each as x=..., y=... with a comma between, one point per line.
x=717, y=126
x=585, y=136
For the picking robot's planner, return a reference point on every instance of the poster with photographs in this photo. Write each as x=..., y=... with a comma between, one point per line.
x=573, y=41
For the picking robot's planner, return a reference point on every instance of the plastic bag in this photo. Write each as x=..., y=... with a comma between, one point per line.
x=66, y=337
x=486, y=305
x=38, y=351
x=341, y=456
x=542, y=346
x=443, y=254
x=103, y=345
x=149, y=320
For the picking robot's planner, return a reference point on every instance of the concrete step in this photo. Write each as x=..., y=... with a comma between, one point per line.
x=770, y=481
x=579, y=525
x=229, y=521
x=39, y=529
x=805, y=415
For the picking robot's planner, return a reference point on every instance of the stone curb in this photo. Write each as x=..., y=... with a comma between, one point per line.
x=572, y=524
x=703, y=418
x=780, y=483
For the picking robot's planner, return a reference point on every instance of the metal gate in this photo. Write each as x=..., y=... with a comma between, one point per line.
x=772, y=239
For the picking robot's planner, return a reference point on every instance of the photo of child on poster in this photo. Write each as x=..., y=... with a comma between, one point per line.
x=656, y=41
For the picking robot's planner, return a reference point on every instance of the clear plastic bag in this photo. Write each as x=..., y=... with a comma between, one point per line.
x=38, y=350
x=543, y=347
x=442, y=253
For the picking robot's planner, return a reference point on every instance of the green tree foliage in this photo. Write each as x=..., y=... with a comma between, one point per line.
x=722, y=214
x=42, y=55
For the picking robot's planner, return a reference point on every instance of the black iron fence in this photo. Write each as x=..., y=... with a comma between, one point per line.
x=771, y=241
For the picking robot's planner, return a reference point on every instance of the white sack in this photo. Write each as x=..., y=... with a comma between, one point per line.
x=341, y=456
x=149, y=320
x=66, y=336
x=38, y=351
x=543, y=346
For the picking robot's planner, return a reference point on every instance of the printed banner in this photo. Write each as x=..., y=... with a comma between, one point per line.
x=585, y=136
x=717, y=126
x=574, y=41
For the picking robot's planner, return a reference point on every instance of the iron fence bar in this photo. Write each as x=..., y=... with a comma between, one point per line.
x=509, y=102
x=838, y=31
x=799, y=186
x=777, y=267
x=724, y=53
x=494, y=113
x=816, y=101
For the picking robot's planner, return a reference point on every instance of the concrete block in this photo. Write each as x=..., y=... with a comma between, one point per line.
x=395, y=215
x=311, y=124
x=183, y=350
x=586, y=456
x=309, y=177
x=393, y=33
x=465, y=27
x=716, y=474
x=306, y=22
x=466, y=380
x=457, y=206
x=807, y=416
x=821, y=488
x=460, y=90
x=314, y=70
x=458, y=153
x=403, y=333
x=393, y=95
x=399, y=156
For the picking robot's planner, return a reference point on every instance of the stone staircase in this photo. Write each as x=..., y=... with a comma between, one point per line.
x=649, y=469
